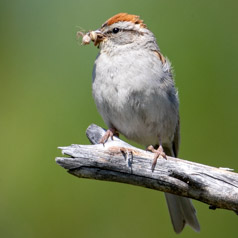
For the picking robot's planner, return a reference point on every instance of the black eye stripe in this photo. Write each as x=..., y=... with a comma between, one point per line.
x=116, y=30
x=122, y=30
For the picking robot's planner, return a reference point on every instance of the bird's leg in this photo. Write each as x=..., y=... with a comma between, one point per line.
x=109, y=133
x=158, y=153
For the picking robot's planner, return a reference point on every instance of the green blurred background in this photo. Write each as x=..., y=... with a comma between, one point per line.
x=46, y=102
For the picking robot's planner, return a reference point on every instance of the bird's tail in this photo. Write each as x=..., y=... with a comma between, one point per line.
x=181, y=212
x=181, y=209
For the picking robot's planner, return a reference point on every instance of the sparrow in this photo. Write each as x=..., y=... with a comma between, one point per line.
x=134, y=91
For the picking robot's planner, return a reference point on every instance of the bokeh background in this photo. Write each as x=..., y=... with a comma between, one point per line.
x=46, y=102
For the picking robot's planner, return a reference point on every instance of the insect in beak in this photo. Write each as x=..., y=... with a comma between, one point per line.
x=96, y=36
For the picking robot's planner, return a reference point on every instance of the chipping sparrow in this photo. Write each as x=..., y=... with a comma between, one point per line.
x=134, y=92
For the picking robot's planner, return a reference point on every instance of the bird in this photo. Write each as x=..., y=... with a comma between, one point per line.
x=134, y=92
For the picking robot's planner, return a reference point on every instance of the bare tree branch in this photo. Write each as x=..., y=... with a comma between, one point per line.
x=120, y=162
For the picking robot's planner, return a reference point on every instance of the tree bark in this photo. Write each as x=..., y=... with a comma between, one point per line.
x=118, y=161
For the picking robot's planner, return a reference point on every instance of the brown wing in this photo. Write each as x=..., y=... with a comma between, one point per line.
x=161, y=57
x=174, y=149
x=176, y=140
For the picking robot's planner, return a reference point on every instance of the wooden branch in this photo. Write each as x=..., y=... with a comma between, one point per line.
x=120, y=162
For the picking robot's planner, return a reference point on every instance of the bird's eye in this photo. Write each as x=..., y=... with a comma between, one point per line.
x=115, y=30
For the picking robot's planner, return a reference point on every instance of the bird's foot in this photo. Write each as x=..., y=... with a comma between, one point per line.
x=109, y=133
x=158, y=153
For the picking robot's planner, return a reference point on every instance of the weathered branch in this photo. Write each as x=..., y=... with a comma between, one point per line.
x=120, y=162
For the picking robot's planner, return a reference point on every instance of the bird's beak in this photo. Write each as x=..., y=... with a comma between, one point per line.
x=97, y=37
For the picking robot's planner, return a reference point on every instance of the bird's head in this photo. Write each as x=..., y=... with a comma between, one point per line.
x=120, y=30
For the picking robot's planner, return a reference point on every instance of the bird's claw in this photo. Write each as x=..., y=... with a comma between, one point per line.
x=109, y=133
x=157, y=153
